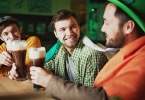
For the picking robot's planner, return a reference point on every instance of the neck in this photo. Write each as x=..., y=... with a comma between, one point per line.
x=131, y=37
x=70, y=50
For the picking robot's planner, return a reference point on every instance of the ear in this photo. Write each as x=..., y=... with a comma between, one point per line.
x=129, y=27
x=55, y=34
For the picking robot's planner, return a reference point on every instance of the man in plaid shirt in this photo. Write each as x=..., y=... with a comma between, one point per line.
x=73, y=60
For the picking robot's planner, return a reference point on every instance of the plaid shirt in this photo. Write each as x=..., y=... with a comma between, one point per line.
x=87, y=63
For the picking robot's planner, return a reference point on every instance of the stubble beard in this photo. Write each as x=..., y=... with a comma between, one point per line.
x=116, y=42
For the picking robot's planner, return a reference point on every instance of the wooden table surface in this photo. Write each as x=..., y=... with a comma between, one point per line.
x=13, y=90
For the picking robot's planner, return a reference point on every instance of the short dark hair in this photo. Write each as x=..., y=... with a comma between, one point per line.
x=4, y=24
x=61, y=15
x=124, y=17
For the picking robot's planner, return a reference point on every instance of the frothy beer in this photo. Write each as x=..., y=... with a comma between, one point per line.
x=37, y=58
x=17, y=48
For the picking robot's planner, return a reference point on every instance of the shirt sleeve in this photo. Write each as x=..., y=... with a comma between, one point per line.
x=2, y=47
x=73, y=91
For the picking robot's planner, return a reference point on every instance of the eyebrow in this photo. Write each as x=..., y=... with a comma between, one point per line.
x=62, y=28
x=15, y=28
x=74, y=24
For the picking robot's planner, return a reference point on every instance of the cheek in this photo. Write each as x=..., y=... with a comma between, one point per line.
x=4, y=39
x=19, y=35
x=112, y=32
x=60, y=37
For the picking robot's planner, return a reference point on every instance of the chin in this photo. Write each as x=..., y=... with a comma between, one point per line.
x=71, y=45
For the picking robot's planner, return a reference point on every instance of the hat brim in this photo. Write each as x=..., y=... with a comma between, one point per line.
x=126, y=9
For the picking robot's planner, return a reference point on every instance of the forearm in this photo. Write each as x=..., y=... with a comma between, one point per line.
x=65, y=90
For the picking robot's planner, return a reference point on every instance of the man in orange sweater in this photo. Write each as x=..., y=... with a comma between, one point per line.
x=10, y=29
x=122, y=78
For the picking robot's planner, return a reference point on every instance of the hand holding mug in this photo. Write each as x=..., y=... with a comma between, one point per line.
x=40, y=76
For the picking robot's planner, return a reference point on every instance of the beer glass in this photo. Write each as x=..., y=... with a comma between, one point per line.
x=17, y=48
x=37, y=58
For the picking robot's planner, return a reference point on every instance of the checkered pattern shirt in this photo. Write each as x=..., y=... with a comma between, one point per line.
x=87, y=63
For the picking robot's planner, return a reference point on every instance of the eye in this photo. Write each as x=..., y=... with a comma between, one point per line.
x=105, y=23
x=14, y=30
x=73, y=26
x=62, y=30
x=5, y=34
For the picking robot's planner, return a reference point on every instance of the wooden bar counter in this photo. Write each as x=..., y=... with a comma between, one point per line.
x=14, y=90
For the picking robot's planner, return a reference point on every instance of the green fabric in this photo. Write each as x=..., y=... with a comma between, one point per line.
x=52, y=51
x=55, y=48
x=87, y=63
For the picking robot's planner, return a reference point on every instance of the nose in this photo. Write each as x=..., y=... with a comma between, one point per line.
x=69, y=32
x=103, y=29
x=11, y=36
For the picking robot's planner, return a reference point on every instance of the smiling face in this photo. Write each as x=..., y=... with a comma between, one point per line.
x=114, y=34
x=10, y=32
x=68, y=32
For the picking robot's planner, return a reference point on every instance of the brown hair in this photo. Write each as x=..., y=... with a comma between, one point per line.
x=61, y=15
x=4, y=24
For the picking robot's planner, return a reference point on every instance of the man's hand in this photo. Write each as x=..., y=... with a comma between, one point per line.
x=13, y=73
x=40, y=76
x=6, y=59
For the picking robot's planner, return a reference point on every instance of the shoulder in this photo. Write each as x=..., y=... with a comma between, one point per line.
x=33, y=41
x=32, y=38
x=3, y=44
x=3, y=47
x=86, y=52
x=86, y=49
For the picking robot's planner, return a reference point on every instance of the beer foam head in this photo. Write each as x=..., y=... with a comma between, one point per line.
x=8, y=44
x=18, y=45
x=35, y=53
x=15, y=45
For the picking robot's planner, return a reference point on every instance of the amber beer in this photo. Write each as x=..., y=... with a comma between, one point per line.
x=37, y=58
x=18, y=51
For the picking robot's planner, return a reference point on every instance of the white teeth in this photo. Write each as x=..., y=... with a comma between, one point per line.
x=70, y=39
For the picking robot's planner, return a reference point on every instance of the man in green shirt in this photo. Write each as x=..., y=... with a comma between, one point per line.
x=73, y=60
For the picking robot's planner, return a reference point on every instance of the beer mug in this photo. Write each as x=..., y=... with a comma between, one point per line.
x=37, y=58
x=17, y=49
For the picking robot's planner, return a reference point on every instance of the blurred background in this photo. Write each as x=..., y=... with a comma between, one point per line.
x=34, y=17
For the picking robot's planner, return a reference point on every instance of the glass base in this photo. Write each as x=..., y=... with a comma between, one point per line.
x=21, y=79
x=39, y=89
